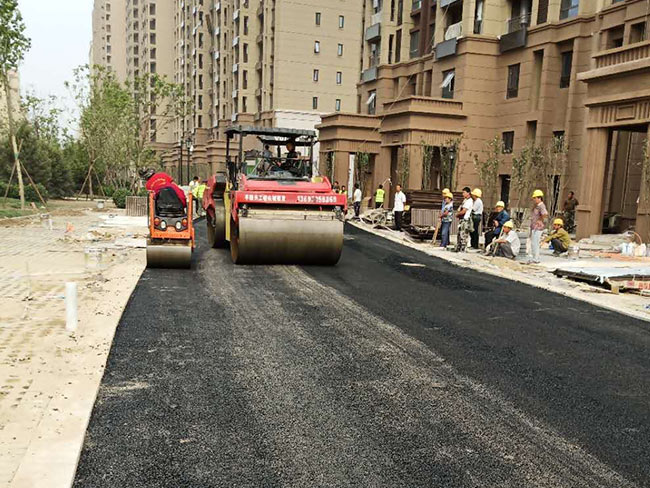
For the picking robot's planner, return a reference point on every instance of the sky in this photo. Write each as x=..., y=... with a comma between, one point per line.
x=61, y=31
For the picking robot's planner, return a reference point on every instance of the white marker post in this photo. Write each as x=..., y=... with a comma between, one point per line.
x=71, y=306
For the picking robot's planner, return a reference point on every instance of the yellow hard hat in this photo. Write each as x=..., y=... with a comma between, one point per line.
x=558, y=222
x=509, y=224
x=447, y=194
x=538, y=193
x=500, y=204
x=477, y=193
x=445, y=191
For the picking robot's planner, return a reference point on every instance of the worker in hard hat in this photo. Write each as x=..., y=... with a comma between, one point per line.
x=508, y=245
x=162, y=184
x=446, y=217
x=197, y=193
x=477, y=216
x=464, y=214
x=501, y=217
x=559, y=238
x=380, y=196
x=538, y=219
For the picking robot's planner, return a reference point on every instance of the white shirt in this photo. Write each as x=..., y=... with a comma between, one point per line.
x=467, y=204
x=477, y=207
x=357, y=195
x=513, y=239
x=400, y=200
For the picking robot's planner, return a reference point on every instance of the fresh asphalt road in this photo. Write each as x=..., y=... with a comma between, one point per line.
x=392, y=369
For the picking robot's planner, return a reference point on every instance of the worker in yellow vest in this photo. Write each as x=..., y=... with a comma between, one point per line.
x=197, y=193
x=380, y=194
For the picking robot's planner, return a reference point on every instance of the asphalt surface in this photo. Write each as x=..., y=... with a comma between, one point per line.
x=392, y=369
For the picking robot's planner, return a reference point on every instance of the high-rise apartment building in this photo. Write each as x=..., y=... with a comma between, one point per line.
x=262, y=62
x=443, y=77
x=108, y=46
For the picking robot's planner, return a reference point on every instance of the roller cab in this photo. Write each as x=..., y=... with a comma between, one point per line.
x=171, y=233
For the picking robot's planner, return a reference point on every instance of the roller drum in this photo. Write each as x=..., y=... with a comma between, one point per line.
x=288, y=237
x=169, y=256
x=217, y=229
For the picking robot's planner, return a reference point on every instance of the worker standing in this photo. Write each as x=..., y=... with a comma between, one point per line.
x=380, y=194
x=570, y=205
x=508, y=245
x=464, y=215
x=560, y=238
x=198, y=196
x=357, y=196
x=398, y=208
x=335, y=187
x=446, y=217
x=477, y=216
x=193, y=184
x=502, y=216
x=537, y=224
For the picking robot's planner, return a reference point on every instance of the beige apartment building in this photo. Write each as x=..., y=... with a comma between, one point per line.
x=276, y=63
x=438, y=71
x=108, y=46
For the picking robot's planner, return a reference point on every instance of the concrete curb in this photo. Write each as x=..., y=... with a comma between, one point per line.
x=575, y=294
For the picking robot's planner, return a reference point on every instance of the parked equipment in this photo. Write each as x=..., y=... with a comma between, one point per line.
x=171, y=231
x=269, y=206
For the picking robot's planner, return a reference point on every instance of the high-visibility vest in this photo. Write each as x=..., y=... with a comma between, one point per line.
x=379, y=196
x=200, y=190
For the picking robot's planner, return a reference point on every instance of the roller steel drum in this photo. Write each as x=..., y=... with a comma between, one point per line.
x=217, y=230
x=288, y=237
x=169, y=256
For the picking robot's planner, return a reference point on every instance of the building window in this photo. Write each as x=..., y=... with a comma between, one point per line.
x=414, y=49
x=337, y=105
x=637, y=32
x=152, y=67
x=152, y=38
x=152, y=9
x=569, y=8
x=565, y=77
x=315, y=78
x=314, y=103
x=478, y=17
x=448, y=83
x=372, y=102
x=316, y=47
x=341, y=22
x=558, y=141
x=246, y=26
x=317, y=18
x=508, y=141
x=152, y=24
x=339, y=77
x=513, y=81
x=398, y=45
x=340, y=50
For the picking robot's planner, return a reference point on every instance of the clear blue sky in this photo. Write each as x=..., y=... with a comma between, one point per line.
x=61, y=32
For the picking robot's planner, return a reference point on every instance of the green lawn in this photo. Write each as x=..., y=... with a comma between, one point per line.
x=11, y=208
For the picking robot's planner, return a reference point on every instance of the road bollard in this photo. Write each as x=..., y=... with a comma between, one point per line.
x=71, y=306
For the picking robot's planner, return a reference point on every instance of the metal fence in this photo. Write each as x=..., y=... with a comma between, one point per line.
x=136, y=206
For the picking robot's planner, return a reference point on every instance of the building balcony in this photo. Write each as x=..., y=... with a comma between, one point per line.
x=369, y=74
x=235, y=15
x=216, y=55
x=235, y=92
x=516, y=34
x=235, y=67
x=446, y=48
x=217, y=30
x=217, y=7
x=258, y=92
x=447, y=3
x=425, y=105
x=259, y=39
x=235, y=41
x=373, y=32
x=258, y=66
x=375, y=18
x=416, y=7
x=619, y=61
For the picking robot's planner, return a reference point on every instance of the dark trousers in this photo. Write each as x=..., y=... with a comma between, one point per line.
x=476, y=219
x=558, y=246
x=379, y=204
x=398, y=220
x=504, y=250
x=445, y=227
x=357, y=208
x=490, y=236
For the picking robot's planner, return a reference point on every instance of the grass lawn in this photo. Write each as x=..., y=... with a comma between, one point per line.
x=11, y=208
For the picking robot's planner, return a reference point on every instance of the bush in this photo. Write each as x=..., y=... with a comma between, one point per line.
x=142, y=192
x=119, y=197
x=108, y=190
x=30, y=193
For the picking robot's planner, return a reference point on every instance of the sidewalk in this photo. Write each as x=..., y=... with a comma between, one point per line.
x=48, y=376
x=539, y=275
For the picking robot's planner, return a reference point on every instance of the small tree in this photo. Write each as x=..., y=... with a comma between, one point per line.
x=404, y=169
x=487, y=167
x=449, y=163
x=362, y=169
x=13, y=46
x=428, y=166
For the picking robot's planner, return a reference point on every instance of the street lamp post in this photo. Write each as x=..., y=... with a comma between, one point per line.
x=188, y=143
x=180, y=162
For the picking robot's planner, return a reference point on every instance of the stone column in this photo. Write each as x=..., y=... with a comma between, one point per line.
x=643, y=209
x=592, y=180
